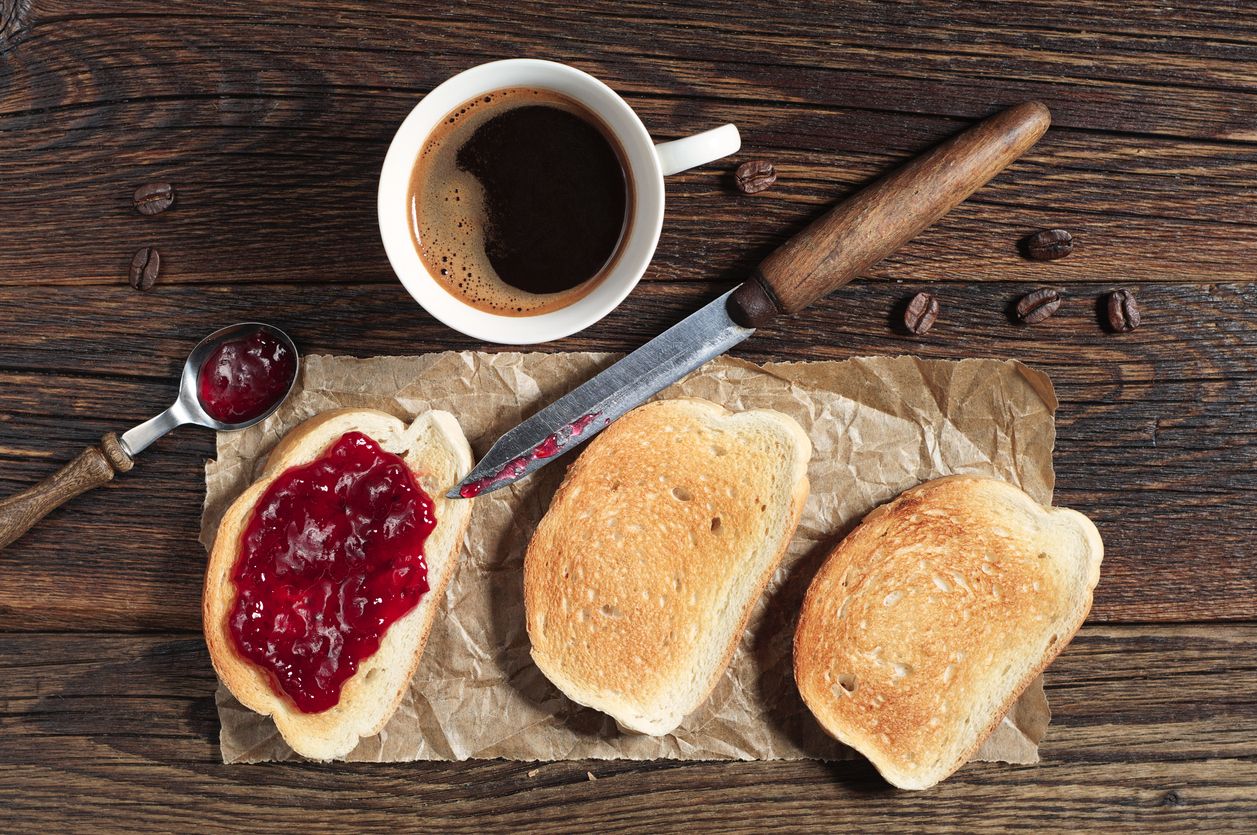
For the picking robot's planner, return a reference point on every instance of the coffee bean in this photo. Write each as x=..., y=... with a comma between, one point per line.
x=921, y=313
x=1034, y=307
x=144, y=268
x=152, y=198
x=1048, y=245
x=755, y=176
x=1123, y=311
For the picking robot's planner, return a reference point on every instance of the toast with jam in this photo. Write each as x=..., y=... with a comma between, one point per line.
x=927, y=622
x=640, y=579
x=327, y=573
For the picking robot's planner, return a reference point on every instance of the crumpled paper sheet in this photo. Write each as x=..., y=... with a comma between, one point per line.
x=878, y=426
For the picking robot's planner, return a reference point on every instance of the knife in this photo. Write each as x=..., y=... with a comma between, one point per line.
x=834, y=249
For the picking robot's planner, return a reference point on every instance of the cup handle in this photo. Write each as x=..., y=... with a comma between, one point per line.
x=701, y=148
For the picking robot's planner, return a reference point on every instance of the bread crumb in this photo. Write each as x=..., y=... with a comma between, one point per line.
x=591, y=776
x=534, y=772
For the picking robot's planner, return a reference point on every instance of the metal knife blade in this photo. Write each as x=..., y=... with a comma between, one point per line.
x=588, y=409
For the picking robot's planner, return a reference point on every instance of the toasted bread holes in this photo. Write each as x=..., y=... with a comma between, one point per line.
x=611, y=612
x=681, y=494
x=715, y=524
x=848, y=682
x=371, y=675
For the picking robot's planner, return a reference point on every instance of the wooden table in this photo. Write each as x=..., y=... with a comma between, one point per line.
x=272, y=123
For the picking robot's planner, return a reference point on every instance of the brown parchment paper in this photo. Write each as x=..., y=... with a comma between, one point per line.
x=878, y=426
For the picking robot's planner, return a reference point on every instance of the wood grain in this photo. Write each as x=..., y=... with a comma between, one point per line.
x=275, y=150
x=1150, y=443
x=272, y=122
x=112, y=720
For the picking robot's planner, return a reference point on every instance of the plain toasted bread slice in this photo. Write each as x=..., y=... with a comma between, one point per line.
x=926, y=622
x=641, y=576
x=436, y=451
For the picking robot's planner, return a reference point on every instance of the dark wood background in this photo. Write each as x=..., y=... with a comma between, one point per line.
x=272, y=121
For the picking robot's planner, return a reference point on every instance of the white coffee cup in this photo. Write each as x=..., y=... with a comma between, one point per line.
x=647, y=163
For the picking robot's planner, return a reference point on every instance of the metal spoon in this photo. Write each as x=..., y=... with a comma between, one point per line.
x=96, y=465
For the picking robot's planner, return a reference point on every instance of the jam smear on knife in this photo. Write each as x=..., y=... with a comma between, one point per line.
x=550, y=446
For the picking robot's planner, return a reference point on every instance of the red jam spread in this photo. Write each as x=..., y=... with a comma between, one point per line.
x=245, y=377
x=331, y=556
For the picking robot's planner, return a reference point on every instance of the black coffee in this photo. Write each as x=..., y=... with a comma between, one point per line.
x=519, y=202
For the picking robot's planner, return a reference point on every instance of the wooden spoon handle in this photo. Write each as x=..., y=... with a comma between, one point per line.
x=93, y=467
x=864, y=229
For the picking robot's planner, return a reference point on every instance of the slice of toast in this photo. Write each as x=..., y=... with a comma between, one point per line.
x=436, y=451
x=928, y=621
x=639, y=581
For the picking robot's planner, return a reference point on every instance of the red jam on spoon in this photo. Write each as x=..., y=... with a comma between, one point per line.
x=332, y=555
x=245, y=377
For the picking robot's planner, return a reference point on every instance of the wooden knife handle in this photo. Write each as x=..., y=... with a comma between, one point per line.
x=94, y=467
x=882, y=217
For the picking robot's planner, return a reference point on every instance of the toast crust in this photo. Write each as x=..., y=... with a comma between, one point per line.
x=926, y=623
x=436, y=451
x=640, y=579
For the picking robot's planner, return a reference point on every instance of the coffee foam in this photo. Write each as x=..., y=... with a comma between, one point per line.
x=448, y=217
